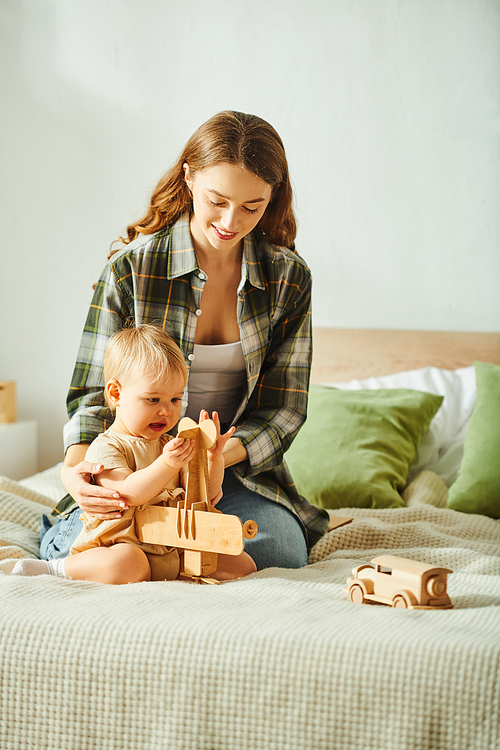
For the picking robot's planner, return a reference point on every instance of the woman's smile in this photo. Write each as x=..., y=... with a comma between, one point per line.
x=222, y=234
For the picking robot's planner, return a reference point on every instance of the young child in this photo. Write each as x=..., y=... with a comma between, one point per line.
x=145, y=376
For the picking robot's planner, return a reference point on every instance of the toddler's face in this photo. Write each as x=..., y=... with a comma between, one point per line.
x=148, y=408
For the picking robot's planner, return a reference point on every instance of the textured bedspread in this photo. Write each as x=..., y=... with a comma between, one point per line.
x=278, y=660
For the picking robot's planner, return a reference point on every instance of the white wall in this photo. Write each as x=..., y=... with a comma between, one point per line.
x=389, y=110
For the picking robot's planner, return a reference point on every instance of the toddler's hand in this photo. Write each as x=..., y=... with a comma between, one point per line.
x=215, y=458
x=215, y=452
x=178, y=452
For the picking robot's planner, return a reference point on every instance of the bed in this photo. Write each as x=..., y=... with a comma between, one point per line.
x=283, y=659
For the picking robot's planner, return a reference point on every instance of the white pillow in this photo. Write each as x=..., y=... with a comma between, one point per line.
x=441, y=449
x=47, y=483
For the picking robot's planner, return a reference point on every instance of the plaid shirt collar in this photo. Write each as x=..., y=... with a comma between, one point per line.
x=182, y=257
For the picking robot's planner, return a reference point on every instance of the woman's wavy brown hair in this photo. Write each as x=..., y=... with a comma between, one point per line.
x=231, y=138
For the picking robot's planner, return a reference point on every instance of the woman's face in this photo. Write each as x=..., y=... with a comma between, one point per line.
x=228, y=202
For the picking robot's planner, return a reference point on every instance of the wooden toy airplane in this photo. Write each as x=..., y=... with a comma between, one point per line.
x=196, y=526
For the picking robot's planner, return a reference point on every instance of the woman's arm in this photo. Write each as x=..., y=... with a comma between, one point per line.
x=234, y=452
x=76, y=473
x=87, y=411
x=88, y=414
x=277, y=405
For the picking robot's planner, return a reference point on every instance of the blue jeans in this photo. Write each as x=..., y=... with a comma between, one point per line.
x=56, y=539
x=280, y=541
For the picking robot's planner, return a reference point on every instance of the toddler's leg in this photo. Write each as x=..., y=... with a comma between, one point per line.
x=121, y=563
x=230, y=567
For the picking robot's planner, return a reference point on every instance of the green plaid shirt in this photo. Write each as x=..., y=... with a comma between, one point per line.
x=157, y=279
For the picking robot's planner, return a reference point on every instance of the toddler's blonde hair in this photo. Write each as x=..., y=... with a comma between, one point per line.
x=144, y=350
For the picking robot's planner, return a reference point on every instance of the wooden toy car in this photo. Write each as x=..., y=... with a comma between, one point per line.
x=399, y=582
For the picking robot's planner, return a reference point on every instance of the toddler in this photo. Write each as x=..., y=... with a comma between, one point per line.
x=145, y=377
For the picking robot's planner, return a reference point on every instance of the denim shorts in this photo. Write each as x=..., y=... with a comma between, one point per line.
x=280, y=541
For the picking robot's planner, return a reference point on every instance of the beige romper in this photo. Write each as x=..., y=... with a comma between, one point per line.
x=114, y=450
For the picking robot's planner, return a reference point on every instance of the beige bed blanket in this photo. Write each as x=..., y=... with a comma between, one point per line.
x=279, y=660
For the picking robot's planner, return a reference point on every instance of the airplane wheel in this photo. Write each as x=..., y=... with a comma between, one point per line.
x=250, y=529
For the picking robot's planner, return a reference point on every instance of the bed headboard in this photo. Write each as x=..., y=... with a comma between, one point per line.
x=340, y=354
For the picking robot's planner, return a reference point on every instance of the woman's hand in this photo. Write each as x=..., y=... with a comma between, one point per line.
x=94, y=500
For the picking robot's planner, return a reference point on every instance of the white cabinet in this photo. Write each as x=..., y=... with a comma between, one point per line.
x=18, y=449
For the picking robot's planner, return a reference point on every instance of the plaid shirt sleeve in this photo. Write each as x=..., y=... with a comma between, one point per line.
x=276, y=336
x=277, y=406
x=88, y=413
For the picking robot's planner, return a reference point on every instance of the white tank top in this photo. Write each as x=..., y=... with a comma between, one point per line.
x=217, y=380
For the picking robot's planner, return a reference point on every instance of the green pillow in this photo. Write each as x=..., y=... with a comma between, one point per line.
x=477, y=488
x=356, y=447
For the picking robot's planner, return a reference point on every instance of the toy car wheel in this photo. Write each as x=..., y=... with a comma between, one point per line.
x=400, y=602
x=436, y=586
x=356, y=594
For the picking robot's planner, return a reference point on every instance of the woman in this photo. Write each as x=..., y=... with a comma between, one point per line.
x=213, y=262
